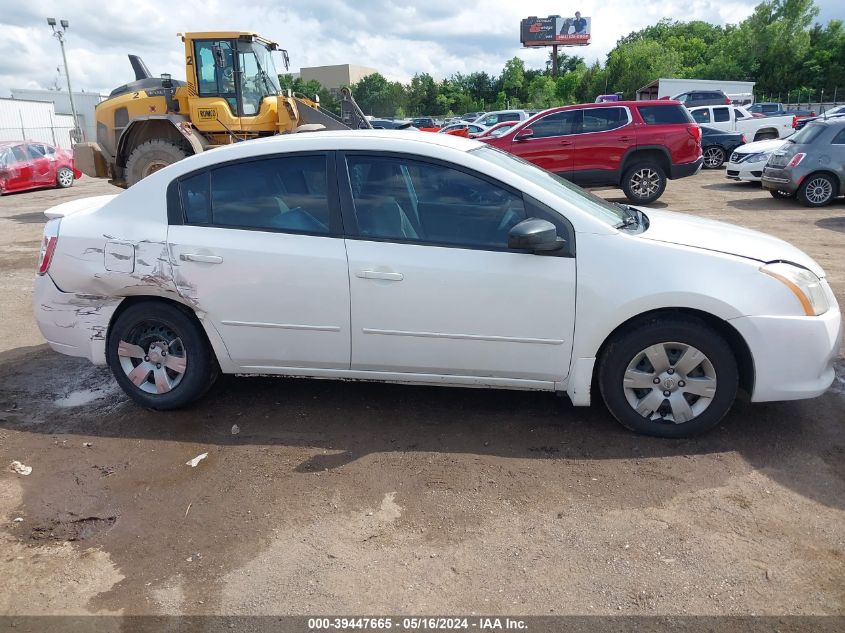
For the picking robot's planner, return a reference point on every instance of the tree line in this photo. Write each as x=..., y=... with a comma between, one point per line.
x=780, y=46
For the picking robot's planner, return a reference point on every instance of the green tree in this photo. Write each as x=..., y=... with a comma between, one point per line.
x=634, y=64
x=513, y=77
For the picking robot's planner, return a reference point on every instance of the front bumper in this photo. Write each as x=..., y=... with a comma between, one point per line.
x=686, y=169
x=751, y=172
x=73, y=324
x=793, y=356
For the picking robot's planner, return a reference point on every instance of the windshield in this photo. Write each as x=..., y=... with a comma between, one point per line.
x=259, y=78
x=607, y=212
x=807, y=134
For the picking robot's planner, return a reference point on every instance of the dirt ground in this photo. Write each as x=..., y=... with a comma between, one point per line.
x=340, y=497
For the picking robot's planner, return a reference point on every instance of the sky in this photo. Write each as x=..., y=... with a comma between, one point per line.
x=397, y=38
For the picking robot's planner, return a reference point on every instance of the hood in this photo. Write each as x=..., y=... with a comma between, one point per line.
x=75, y=206
x=769, y=145
x=721, y=237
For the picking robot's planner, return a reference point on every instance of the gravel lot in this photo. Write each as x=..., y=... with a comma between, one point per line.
x=340, y=497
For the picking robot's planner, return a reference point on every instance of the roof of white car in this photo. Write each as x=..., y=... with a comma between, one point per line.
x=413, y=141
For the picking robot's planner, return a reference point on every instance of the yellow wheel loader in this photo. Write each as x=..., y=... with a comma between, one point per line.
x=232, y=94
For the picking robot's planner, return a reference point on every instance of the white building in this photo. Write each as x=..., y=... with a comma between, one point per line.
x=85, y=102
x=34, y=121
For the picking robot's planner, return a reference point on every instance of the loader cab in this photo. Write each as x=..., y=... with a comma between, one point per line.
x=232, y=74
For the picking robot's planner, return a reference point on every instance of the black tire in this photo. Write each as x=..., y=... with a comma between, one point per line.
x=151, y=321
x=817, y=190
x=634, y=182
x=64, y=178
x=151, y=156
x=781, y=195
x=714, y=157
x=674, y=332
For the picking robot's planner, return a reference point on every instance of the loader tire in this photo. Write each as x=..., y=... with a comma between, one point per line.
x=151, y=156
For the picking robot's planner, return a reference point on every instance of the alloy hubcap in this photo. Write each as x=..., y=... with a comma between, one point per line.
x=713, y=157
x=154, y=358
x=65, y=177
x=819, y=190
x=670, y=382
x=645, y=183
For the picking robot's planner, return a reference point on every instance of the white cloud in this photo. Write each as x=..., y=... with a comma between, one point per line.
x=399, y=39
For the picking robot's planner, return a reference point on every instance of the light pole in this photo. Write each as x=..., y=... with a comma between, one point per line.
x=59, y=34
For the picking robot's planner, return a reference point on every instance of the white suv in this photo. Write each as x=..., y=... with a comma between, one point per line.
x=492, y=118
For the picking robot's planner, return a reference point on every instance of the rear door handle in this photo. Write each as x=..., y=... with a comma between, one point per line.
x=205, y=259
x=624, y=139
x=378, y=274
x=565, y=143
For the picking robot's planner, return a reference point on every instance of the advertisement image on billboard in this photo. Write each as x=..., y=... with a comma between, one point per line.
x=565, y=31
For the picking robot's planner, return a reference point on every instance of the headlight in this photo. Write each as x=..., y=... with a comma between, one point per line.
x=806, y=287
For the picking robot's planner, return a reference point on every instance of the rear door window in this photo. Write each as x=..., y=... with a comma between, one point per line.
x=839, y=139
x=604, y=119
x=664, y=114
x=287, y=194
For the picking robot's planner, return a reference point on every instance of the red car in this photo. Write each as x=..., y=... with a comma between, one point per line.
x=32, y=165
x=635, y=145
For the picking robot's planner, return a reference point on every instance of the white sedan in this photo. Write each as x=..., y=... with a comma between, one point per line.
x=428, y=259
x=747, y=161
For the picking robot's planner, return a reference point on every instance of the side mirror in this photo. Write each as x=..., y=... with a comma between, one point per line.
x=535, y=235
x=524, y=135
x=219, y=59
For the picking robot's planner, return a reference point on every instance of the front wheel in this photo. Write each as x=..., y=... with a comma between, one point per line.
x=159, y=356
x=149, y=157
x=714, y=157
x=668, y=377
x=64, y=178
x=817, y=190
x=644, y=183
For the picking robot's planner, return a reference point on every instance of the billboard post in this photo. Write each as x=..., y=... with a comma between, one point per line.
x=555, y=31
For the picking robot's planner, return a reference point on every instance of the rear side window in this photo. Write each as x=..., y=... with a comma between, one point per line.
x=277, y=194
x=664, y=114
x=839, y=139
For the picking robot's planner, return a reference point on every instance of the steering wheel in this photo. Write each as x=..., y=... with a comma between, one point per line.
x=228, y=73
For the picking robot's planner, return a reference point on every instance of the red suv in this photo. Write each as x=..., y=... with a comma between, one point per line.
x=635, y=145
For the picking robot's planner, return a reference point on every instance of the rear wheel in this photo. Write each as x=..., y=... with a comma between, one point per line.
x=151, y=156
x=159, y=356
x=668, y=377
x=644, y=183
x=714, y=157
x=64, y=178
x=817, y=190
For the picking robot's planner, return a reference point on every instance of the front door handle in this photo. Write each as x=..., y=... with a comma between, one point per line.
x=378, y=274
x=624, y=139
x=205, y=259
x=565, y=143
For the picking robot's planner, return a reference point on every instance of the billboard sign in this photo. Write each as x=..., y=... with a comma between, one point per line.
x=570, y=31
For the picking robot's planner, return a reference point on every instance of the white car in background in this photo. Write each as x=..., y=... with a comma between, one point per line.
x=747, y=161
x=428, y=259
